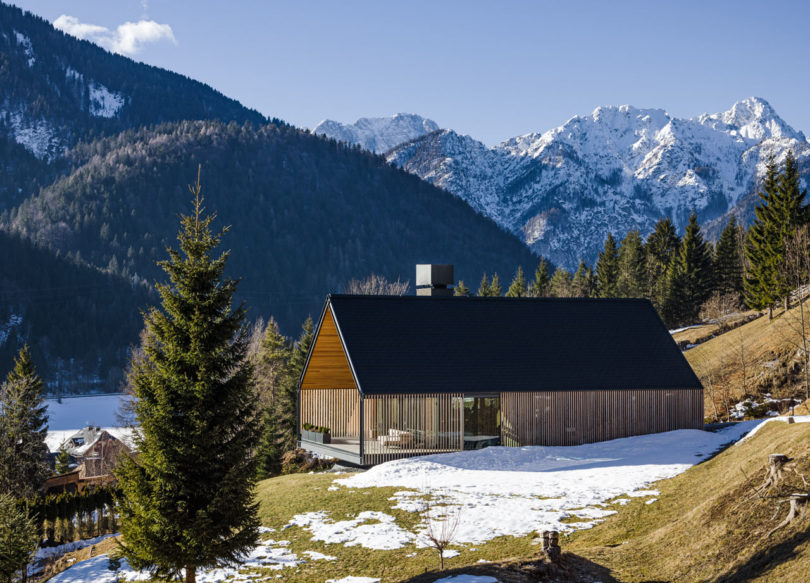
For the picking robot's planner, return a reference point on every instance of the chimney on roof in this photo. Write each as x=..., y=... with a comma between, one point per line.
x=434, y=280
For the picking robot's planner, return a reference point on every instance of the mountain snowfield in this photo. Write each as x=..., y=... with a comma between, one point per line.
x=617, y=169
x=378, y=134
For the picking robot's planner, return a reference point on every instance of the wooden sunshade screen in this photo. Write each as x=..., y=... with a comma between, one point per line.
x=432, y=423
x=328, y=367
x=337, y=409
x=575, y=417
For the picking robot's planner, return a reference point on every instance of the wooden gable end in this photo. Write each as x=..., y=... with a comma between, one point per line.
x=328, y=367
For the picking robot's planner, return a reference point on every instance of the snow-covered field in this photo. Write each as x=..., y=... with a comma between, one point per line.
x=496, y=491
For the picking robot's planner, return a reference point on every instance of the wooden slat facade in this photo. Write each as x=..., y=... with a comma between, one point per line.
x=337, y=409
x=433, y=423
x=575, y=417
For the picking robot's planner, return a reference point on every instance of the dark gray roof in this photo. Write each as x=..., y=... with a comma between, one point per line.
x=475, y=345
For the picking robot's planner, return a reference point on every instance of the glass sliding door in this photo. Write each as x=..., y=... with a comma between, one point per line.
x=482, y=421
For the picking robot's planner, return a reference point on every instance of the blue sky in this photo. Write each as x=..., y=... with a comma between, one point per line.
x=492, y=70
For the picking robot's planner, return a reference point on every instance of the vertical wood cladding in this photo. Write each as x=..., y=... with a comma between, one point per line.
x=337, y=409
x=397, y=426
x=575, y=417
x=328, y=365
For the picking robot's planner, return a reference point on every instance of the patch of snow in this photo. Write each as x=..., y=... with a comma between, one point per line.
x=58, y=551
x=14, y=321
x=28, y=48
x=676, y=330
x=316, y=556
x=71, y=73
x=103, y=102
x=36, y=136
x=268, y=554
x=382, y=534
x=505, y=491
x=449, y=554
x=651, y=501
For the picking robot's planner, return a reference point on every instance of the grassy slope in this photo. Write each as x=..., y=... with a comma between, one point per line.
x=770, y=349
x=706, y=526
x=283, y=497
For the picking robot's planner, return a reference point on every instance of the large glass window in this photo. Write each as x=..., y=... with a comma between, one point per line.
x=482, y=421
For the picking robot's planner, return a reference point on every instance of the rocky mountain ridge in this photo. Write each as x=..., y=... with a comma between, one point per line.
x=617, y=169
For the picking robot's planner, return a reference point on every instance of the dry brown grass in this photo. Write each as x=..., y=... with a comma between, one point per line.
x=769, y=350
x=708, y=525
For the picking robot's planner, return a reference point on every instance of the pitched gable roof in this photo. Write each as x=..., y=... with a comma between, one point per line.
x=485, y=345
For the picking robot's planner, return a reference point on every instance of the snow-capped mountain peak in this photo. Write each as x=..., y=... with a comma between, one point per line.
x=378, y=134
x=752, y=118
x=617, y=169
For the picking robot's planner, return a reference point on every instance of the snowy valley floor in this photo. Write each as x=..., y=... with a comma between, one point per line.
x=324, y=527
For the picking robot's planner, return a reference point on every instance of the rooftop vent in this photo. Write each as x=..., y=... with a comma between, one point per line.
x=434, y=280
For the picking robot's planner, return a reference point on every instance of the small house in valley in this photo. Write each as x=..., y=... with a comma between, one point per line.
x=390, y=377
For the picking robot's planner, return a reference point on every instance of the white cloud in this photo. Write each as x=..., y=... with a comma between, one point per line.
x=126, y=39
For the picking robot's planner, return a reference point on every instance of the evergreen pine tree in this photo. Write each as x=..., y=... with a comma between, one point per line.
x=495, y=289
x=581, y=286
x=62, y=461
x=517, y=289
x=690, y=277
x=561, y=285
x=607, y=270
x=765, y=247
x=286, y=406
x=272, y=380
x=187, y=500
x=18, y=538
x=23, y=428
x=661, y=248
x=484, y=289
x=632, y=267
x=542, y=279
x=728, y=267
x=461, y=289
x=272, y=363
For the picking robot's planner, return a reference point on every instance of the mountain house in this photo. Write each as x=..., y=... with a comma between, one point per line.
x=390, y=377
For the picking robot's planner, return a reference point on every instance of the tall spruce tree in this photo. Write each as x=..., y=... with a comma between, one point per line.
x=495, y=289
x=23, y=428
x=582, y=285
x=661, y=247
x=18, y=538
x=517, y=289
x=272, y=381
x=187, y=499
x=607, y=270
x=632, y=267
x=542, y=279
x=690, y=277
x=272, y=363
x=286, y=410
x=562, y=283
x=778, y=214
x=728, y=266
x=484, y=290
x=461, y=289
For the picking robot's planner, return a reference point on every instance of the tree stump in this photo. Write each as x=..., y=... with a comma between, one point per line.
x=776, y=464
x=798, y=506
x=551, y=545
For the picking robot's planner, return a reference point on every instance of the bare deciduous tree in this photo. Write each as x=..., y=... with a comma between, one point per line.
x=441, y=524
x=377, y=285
x=797, y=263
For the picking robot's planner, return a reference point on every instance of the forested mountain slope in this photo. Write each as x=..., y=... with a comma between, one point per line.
x=78, y=321
x=307, y=214
x=56, y=90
